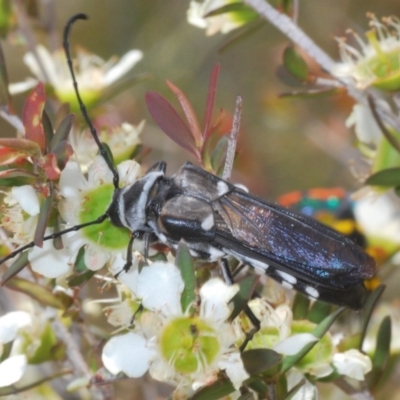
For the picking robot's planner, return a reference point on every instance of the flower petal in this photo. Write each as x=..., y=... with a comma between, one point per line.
x=27, y=198
x=293, y=344
x=99, y=172
x=215, y=296
x=129, y=278
x=49, y=261
x=72, y=180
x=160, y=286
x=12, y=369
x=11, y=323
x=234, y=368
x=353, y=364
x=129, y=354
x=129, y=171
x=21, y=87
x=127, y=62
x=95, y=257
x=365, y=125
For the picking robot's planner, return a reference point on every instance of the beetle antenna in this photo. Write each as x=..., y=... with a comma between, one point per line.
x=82, y=106
x=55, y=235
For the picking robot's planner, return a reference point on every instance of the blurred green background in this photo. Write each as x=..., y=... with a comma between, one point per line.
x=286, y=144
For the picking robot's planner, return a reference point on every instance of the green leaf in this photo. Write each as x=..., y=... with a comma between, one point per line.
x=381, y=357
x=238, y=10
x=300, y=306
x=215, y=391
x=382, y=351
x=18, y=265
x=228, y=8
x=257, y=361
x=5, y=98
x=386, y=156
x=219, y=154
x=62, y=131
x=81, y=273
x=247, y=286
x=246, y=396
x=44, y=215
x=185, y=264
x=48, y=129
x=80, y=265
x=49, y=348
x=7, y=19
x=10, y=177
x=295, y=64
x=367, y=312
x=319, y=311
x=43, y=295
x=388, y=177
x=79, y=279
x=258, y=385
x=318, y=332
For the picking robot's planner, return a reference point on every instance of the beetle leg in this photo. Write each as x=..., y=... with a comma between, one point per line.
x=226, y=273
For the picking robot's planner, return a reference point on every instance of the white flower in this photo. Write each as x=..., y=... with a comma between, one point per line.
x=223, y=23
x=85, y=200
x=376, y=63
x=121, y=139
x=175, y=347
x=21, y=209
x=365, y=125
x=352, y=363
x=379, y=217
x=11, y=323
x=93, y=73
x=274, y=320
x=12, y=369
x=50, y=262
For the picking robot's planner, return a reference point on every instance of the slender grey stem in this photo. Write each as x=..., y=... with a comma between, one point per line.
x=29, y=36
x=289, y=28
x=13, y=120
x=75, y=357
x=233, y=138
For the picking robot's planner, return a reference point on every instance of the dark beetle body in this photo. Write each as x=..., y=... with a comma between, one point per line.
x=218, y=219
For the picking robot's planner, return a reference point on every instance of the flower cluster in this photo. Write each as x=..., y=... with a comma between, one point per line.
x=183, y=348
x=377, y=63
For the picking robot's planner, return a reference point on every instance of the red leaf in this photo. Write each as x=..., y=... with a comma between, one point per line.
x=190, y=115
x=212, y=88
x=25, y=146
x=10, y=156
x=32, y=116
x=49, y=164
x=16, y=173
x=170, y=122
